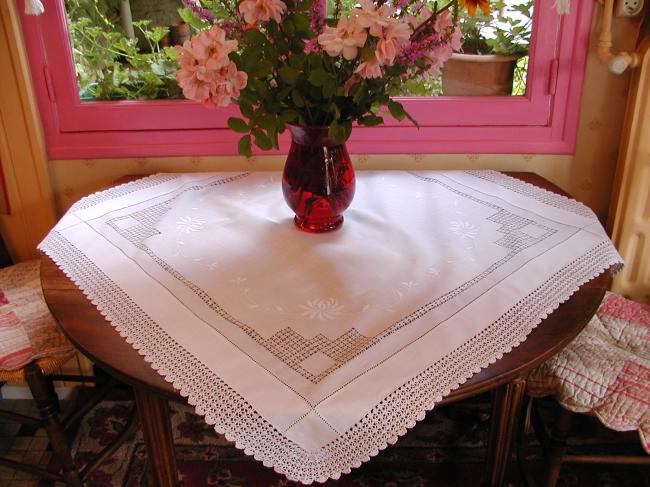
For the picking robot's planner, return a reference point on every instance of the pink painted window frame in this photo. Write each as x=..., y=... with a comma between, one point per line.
x=544, y=121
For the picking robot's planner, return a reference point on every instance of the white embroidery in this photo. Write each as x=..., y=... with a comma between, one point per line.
x=463, y=229
x=189, y=224
x=434, y=270
x=322, y=309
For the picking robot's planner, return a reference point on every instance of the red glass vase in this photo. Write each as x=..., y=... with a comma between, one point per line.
x=318, y=179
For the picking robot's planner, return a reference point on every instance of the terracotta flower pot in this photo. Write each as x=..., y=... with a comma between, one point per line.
x=179, y=33
x=478, y=75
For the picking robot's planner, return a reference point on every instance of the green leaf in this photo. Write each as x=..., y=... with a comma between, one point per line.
x=304, y=5
x=238, y=125
x=253, y=37
x=188, y=17
x=246, y=109
x=262, y=69
x=413, y=121
x=289, y=75
x=300, y=21
x=297, y=61
x=333, y=130
x=297, y=98
x=371, y=120
x=396, y=110
x=267, y=122
x=289, y=27
x=259, y=86
x=330, y=88
x=282, y=94
x=347, y=129
x=244, y=146
x=288, y=116
x=262, y=140
x=318, y=77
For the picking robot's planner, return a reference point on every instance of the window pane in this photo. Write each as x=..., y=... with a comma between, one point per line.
x=494, y=56
x=122, y=49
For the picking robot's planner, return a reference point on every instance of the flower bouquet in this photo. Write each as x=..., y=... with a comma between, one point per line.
x=286, y=63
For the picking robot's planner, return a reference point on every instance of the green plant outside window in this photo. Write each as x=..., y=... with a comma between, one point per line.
x=110, y=65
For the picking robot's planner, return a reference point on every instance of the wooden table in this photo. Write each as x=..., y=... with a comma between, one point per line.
x=97, y=339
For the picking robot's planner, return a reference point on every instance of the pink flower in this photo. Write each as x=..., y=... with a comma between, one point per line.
x=395, y=36
x=345, y=38
x=375, y=20
x=212, y=48
x=228, y=86
x=311, y=46
x=369, y=68
x=206, y=74
x=262, y=10
x=195, y=82
x=444, y=24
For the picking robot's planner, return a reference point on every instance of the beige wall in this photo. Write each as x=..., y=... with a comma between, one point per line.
x=587, y=175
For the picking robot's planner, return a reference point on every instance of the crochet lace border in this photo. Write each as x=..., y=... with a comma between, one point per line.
x=233, y=417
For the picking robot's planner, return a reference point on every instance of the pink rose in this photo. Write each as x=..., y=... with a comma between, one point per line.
x=262, y=10
x=395, y=36
x=375, y=20
x=228, y=86
x=445, y=23
x=206, y=74
x=345, y=38
x=369, y=68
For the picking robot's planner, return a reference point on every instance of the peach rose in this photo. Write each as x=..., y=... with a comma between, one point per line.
x=345, y=38
x=375, y=20
x=369, y=68
x=395, y=35
x=228, y=86
x=206, y=74
x=262, y=10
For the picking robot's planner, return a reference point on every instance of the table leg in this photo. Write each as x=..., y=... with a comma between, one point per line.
x=506, y=407
x=153, y=412
x=557, y=447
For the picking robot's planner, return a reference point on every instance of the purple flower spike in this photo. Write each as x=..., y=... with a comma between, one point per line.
x=317, y=17
x=202, y=13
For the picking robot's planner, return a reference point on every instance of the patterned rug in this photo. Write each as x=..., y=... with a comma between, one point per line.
x=447, y=449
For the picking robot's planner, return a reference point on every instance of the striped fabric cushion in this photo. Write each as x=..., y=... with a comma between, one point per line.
x=605, y=371
x=27, y=329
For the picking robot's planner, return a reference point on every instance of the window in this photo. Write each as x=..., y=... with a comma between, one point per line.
x=543, y=120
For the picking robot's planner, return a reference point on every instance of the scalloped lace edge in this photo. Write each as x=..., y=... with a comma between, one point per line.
x=145, y=181
x=542, y=195
x=232, y=416
x=255, y=436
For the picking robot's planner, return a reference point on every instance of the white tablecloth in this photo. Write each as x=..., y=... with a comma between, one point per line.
x=312, y=352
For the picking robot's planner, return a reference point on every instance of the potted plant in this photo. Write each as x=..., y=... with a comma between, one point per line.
x=493, y=42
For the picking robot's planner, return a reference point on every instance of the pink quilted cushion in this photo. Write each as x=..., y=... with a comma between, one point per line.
x=605, y=371
x=27, y=329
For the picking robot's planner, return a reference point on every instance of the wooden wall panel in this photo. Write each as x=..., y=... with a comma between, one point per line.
x=630, y=211
x=22, y=153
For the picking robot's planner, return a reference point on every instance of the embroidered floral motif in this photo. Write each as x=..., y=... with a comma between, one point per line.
x=322, y=309
x=189, y=224
x=463, y=229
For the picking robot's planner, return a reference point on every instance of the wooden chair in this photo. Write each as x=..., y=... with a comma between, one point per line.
x=604, y=372
x=31, y=349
